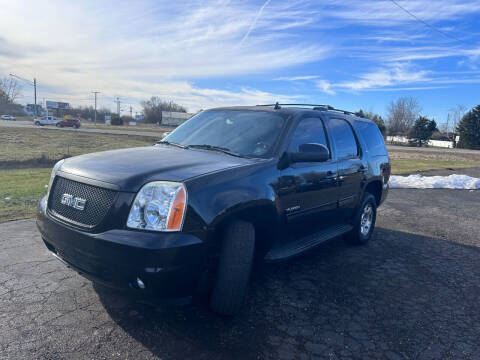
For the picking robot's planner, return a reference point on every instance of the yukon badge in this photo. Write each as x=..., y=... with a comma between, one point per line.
x=75, y=202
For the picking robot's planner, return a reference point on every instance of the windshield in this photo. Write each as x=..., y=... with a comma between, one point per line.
x=247, y=133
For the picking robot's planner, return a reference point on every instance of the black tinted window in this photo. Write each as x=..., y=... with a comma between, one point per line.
x=372, y=136
x=251, y=133
x=309, y=130
x=342, y=134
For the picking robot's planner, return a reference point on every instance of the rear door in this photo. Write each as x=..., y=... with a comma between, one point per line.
x=351, y=167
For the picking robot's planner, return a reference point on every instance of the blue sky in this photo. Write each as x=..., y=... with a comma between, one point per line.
x=350, y=54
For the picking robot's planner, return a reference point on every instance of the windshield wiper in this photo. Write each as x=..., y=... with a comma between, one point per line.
x=171, y=143
x=215, y=148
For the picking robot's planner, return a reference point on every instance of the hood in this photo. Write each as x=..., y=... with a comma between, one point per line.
x=129, y=169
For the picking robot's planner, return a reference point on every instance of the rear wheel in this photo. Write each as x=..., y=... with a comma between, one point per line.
x=364, y=221
x=37, y=123
x=233, y=274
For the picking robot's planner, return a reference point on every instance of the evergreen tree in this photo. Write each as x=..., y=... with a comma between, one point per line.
x=422, y=130
x=377, y=119
x=469, y=129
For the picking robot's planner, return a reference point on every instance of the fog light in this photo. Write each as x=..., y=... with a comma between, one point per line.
x=140, y=284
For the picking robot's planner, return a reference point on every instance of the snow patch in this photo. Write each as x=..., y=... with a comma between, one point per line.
x=435, y=182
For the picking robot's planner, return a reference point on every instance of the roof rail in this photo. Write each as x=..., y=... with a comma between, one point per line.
x=322, y=107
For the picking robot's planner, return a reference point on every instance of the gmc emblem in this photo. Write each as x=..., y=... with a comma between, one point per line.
x=75, y=202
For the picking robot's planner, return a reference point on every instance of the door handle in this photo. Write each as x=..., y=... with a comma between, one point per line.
x=331, y=174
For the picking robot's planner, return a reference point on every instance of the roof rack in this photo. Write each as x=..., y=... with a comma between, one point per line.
x=321, y=107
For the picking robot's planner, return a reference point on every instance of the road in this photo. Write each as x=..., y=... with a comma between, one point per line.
x=411, y=293
x=28, y=124
x=434, y=150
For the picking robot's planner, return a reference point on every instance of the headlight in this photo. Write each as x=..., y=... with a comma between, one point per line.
x=159, y=206
x=52, y=175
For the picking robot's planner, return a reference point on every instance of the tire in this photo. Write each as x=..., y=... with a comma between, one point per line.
x=37, y=123
x=233, y=273
x=76, y=126
x=58, y=125
x=360, y=235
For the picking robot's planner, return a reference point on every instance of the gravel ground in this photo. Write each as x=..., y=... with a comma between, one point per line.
x=411, y=293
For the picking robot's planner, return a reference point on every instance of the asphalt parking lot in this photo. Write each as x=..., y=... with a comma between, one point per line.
x=412, y=293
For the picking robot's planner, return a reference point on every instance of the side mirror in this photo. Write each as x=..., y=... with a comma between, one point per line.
x=310, y=152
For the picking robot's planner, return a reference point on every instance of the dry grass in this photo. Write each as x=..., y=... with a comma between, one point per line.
x=408, y=162
x=140, y=127
x=25, y=146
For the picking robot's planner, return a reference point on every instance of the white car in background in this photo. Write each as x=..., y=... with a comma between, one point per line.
x=45, y=120
x=8, y=117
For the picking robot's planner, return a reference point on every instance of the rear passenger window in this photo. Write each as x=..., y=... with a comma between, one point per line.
x=309, y=130
x=372, y=136
x=342, y=134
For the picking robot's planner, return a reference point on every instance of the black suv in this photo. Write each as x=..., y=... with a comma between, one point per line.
x=228, y=186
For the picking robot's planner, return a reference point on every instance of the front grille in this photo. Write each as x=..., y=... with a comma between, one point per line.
x=98, y=202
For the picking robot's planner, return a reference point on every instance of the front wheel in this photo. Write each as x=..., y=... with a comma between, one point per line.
x=233, y=273
x=37, y=123
x=363, y=222
x=58, y=125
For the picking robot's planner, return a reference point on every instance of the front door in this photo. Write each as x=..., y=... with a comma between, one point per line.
x=308, y=191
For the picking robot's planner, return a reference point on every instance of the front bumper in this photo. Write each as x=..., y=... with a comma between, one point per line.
x=169, y=264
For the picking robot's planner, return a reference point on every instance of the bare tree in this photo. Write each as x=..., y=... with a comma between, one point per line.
x=152, y=109
x=454, y=116
x=9, y=90
x=402, y=114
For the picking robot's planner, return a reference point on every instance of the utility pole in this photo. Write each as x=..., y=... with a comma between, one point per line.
x=34, y=83
x=131, y=111
x=95, y=93
x=35, y=94
x=118, y=106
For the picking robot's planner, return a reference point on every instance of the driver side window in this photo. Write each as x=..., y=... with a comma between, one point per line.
x=309, y=130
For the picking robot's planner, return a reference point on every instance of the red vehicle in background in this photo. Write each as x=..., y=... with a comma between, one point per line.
x=69, y=123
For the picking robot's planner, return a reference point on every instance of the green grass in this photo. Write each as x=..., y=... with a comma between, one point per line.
x=26, y=158
x=413, y=165
x=20, y=191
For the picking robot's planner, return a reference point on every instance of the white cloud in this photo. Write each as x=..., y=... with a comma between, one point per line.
x=397, y=74
x=138, y=49
x=297, y=78
x=325, y=86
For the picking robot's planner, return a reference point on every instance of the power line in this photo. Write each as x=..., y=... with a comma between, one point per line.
x=34, y=83
x=428, y=25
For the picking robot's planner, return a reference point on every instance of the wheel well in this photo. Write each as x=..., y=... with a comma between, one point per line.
x=264, y=220
x=375, y=188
